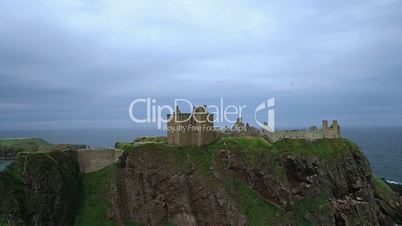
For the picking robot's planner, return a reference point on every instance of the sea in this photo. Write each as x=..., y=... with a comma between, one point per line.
x=4, y=164
x=381, y=145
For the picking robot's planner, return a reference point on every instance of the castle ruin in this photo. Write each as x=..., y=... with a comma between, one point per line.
x=241, y=129
x=313, y=133
x=191, y=129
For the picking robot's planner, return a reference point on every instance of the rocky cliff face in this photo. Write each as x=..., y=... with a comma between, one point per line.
x=247, y=181
x=152, y=189
x=39, y=189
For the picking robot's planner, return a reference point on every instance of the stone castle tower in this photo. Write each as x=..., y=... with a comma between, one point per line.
x=334, y=131
x=191, y=129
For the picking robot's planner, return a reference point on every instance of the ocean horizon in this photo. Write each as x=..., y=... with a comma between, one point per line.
x=381, y=145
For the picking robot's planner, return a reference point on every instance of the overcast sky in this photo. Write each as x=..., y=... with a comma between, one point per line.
x=79, y=64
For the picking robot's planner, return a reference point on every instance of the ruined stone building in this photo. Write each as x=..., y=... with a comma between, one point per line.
x=241, y=129
x=313, y=133
x=191, y=129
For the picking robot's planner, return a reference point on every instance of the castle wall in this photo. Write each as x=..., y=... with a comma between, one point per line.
x=91, y=160
x=295, y=134
x=310, y=134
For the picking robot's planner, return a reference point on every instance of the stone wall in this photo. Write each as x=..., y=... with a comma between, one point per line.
x=91, y=160
x=313, y=133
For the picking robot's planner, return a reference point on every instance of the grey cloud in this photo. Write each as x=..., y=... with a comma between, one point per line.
x=80, y=63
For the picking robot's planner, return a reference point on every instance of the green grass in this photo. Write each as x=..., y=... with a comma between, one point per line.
x=329, y=148
x=151, y=139
x=247, y=142
x=248, y=148
x=16, y=141
x=256, y=209
x=381, y=184
x=125, y=146
x=309, y=205
x=201, y=158
x=93, y=202
x=321, y=148
x=24, y=144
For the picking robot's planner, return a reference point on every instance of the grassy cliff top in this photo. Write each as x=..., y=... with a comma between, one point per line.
x=12, y=141
x=24, y=144
x=151, y=139
x=322, y=148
